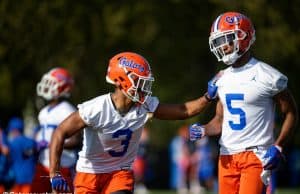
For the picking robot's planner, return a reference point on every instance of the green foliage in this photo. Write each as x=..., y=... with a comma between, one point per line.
x=172, y=34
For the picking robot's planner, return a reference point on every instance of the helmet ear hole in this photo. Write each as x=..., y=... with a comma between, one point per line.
x=246, y=36
x=117, y=84
x=121, y=78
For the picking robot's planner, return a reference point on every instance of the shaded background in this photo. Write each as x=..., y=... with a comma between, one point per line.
x=36, y=35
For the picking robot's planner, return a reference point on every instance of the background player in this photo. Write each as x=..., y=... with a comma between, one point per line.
x=22, y=154
x=248, y=91
x=141, y=165
x=112, y=125
x=55, y=87
x=184, y=164
x=6, y=172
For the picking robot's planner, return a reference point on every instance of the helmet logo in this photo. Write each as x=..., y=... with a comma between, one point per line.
x=124, y=62
x=62, y=77
x=234, y=19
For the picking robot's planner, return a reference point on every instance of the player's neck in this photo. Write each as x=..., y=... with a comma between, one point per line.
x=121, y=102
x=242, y=60
x=54, y=102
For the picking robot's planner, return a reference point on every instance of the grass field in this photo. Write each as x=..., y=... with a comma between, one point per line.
x=278, y=191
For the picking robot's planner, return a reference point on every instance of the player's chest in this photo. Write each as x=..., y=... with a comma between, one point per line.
x=116, y=123
x=121, y=130
x=246, y=88
x=54, y=116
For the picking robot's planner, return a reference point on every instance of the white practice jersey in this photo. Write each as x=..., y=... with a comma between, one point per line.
x=110, y=142
x=49, y=119
x=246, y=94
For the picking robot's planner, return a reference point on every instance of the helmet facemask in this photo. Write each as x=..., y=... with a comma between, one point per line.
x=140, y=89
x=218, y=40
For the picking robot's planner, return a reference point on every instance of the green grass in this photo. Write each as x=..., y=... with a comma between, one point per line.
x=278, y=191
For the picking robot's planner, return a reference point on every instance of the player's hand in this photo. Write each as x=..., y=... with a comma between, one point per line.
x=266, y=176
x=211, y=86
x=196, y=131
x=59, y=184
x=41, y=145
x=272, y=158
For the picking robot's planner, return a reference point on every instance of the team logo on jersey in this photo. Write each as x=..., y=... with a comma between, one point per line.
x=124, y=62
x=254, y=78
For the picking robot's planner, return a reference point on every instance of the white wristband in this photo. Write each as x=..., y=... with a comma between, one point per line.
x=203, y=132
x=279, y=148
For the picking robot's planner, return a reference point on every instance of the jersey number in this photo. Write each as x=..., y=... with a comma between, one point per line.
x=125, y=142
x=236, y=111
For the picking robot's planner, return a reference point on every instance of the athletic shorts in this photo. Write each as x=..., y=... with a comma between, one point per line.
x=240, y=173
x=104, y=183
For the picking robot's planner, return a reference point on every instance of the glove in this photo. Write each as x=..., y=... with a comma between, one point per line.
x=211, y=91
x=58, y=183
x=272, y=158
x=212, y=88
x=266, y=176
x=196, y=131
x=42, y=145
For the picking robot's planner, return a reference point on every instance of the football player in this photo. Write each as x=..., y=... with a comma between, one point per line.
x=55, y=87
x=6, y=178
x=248, y=91
x=22, y=155
x=112, y=125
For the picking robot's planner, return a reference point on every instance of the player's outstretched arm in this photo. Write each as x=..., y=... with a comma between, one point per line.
x=190, y=108
x=70, y=126
x=181, y=111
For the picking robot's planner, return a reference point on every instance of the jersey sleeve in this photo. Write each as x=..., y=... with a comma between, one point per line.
x=89, y=112
x=152, y=103
x=274, y=80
